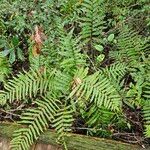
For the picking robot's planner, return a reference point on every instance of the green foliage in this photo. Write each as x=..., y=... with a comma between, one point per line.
x=5, y=69
x=98, y=96
x=93, y=62
x=70, y=53
x=146, y=112
x=24, y=85
x=92, y=25
x=63, y=121
x=11, y=48
x=99, y=88
x=37, y=120
x=130, y=47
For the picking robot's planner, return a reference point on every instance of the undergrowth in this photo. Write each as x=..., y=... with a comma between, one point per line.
x=78, y=62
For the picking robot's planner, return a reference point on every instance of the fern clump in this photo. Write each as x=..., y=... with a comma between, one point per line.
x=99, y=88
x=80, y=64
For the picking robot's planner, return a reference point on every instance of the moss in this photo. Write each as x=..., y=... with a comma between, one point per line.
x=74, y=141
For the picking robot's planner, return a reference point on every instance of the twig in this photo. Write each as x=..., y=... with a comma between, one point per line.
x=10, y=113
x=92, y=63
x=136, y=138
x=83, y=128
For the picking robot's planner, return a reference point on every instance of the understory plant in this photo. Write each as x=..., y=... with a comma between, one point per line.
x=85, y=60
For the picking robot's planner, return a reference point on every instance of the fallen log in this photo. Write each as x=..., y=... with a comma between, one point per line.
x=74, y=141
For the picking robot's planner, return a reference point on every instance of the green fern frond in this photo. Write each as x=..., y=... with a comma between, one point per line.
x=99, y=88
x=63, y=121
x=5, y=68
x=146, y=116
x=72, y=57
x=96, y=116
x=146, y=90
x=115, y=72
x=37, y=121
x=62, y=82
x=130, y=46
x=92, y=23
x=27, y=84
x=147, y=131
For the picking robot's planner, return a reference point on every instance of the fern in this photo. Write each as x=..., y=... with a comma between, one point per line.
x=146, y=108
x=130, y=47
x=66, y=51
x=146, y=90
x=72, y=58
x=24, y=85
x=98, y=96
x=93, y=21
x=75, y=30
x=63, y=121
x=146, y=114
x=115, y=73
x=37, y=120
x=5, y=68
x=98, y=116
x=146, y=76
x=29, y=86
x=61, y=83
x=98, y=88
x=100, y=121
x=92, y=25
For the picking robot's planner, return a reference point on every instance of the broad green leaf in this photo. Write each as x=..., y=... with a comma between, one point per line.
x=12, y=57
x=100, y=48
x=15, y=41
x=5, y=52
x=20, y=54
x=111, y=37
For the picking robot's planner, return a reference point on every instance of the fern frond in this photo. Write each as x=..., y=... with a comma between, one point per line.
x=25, y=85
x=147, y=131
x=62, y=82
x=115, y=72
x=96, y=116
x=63, y=121
x=72, y=57
x=99, y=88
x=130, y=46
x=37, y=121
x=93, y=22
x=5, y=68
x=146, y=116
x=146, y=90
